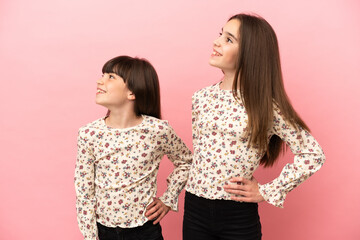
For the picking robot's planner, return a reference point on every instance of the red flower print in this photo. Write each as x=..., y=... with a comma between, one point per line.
x=92, y=133
x=107, y=144
x=142, y=137
x=136, y=199
x=117, y=174
x=218, y=171
x=144, y=155
x=230, y=125
x=83, y=151
x=123, y=161
x=306, y=161
x=218, y=151
x=109, y=203
x=120, y=201
x=218, y=188
x=87, y=130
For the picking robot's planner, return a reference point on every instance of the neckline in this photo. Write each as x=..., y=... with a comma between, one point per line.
x=103, y=123
x=224, y=90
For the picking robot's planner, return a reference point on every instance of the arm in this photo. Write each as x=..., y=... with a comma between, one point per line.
x=85, y=188
x=181, y=157
x=309, y=157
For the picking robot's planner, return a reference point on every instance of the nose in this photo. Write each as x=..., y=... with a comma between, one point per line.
x=100, y=81
x=217, y=42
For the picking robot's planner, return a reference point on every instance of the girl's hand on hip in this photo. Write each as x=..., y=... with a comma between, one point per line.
x=156, y=210
x=244, y=190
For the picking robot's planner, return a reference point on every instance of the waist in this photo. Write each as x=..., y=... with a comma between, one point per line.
x=220, y=203
x=146, y=225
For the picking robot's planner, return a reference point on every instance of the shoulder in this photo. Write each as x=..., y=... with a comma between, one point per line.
x=205, y=91
x=91, y=127
x=155, y=123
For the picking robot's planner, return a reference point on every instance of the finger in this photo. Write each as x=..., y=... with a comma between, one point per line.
x=162, y=215
x=158, y=219
x=151, y=210
x=241, y=199
x=154, y=215
x=151, y=205
x=236, y=179
x=238, y=192
x=235, y=186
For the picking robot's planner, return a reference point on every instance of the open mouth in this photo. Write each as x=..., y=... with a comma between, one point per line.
x=99, y=90
x=215, y=53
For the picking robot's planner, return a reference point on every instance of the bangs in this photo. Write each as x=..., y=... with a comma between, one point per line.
x=121, y=66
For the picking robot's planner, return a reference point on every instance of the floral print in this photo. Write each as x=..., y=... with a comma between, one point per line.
x=221, y=148
x=116, y=171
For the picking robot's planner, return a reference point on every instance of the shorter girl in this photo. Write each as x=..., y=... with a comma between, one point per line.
x=119, y=156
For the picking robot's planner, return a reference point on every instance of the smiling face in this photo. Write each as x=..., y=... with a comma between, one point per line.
x=226, y=47
x=112, y=91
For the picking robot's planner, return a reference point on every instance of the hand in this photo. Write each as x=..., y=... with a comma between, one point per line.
x=156, y=210
x=245, y=190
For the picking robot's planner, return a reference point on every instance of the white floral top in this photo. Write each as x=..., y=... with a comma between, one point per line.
x=116, y=170
x=221, y=148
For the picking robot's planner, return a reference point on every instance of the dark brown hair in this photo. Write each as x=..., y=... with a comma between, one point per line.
x=141, y=79
x=259, y=78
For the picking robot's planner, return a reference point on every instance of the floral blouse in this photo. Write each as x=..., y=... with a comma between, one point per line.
x=221, y=148
x=116, y=170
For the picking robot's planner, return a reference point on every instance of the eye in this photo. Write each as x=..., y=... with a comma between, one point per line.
x=229, y=40
x=111, y=77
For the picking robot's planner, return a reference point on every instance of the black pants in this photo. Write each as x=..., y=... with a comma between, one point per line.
x=206, y=219
x=148, y=231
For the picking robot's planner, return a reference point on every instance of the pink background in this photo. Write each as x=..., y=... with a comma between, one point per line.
x=51, y=53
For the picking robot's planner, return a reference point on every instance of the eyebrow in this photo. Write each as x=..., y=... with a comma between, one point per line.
x=228, y=33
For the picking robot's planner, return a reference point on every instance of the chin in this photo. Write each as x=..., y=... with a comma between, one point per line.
x=212, y=63
x=99, y=102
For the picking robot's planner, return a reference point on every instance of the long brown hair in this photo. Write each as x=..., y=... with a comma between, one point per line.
x=141, y=79
x=259, y=78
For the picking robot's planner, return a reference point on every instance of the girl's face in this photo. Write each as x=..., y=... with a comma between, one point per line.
x=226, y=47
x=112, y=91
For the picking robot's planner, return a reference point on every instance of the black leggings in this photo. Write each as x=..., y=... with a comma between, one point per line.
x=148, y=231
x=206, y=219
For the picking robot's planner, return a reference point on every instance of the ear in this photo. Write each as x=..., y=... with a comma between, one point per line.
x=131, y=95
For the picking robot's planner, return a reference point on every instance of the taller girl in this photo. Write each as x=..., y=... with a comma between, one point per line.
x=238, y=124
